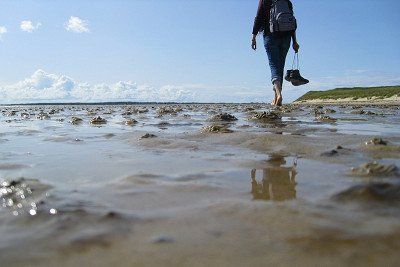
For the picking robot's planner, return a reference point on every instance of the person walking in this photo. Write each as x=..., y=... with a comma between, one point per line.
x=275, y=18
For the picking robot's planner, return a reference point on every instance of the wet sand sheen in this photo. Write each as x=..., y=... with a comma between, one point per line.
x=219, y=185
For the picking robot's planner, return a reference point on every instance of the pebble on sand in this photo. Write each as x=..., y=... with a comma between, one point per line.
x=370, y=192
x=223, y=117
x=376, y=141
x=216, y=129
x=131, y=122
x=98, y=120
x=162, y=239
x=375, y=169
x=148, y=135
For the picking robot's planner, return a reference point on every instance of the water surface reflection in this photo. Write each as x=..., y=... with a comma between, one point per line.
x=278, y=181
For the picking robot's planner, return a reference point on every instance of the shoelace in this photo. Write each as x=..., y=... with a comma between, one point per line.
x=296, y=56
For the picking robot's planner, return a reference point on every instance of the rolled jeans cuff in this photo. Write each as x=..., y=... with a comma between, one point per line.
x=274, y=79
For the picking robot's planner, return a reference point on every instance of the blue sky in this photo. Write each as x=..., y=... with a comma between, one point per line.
x=186, y=50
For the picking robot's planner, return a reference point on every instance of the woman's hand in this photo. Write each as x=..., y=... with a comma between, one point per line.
x=296, y=47
x=254, y=43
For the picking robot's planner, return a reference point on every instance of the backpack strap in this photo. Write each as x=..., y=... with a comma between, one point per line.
x=290, y=5
x=269, y=2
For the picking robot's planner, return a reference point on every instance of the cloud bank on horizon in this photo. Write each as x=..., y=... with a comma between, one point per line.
x=42, y=86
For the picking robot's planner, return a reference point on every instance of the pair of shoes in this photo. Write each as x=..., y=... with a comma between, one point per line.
x=295, y=78
x=287, y=76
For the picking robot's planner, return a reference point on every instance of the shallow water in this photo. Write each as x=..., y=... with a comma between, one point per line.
x=270, y=192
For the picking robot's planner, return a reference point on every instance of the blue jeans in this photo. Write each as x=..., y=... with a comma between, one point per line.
x=277, y=48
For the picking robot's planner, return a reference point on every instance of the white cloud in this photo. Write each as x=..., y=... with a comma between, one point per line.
x=170, y=93
x=3, y=30
x=46, y=87
x=76, y=24
x=28, y=26
x=40, y=86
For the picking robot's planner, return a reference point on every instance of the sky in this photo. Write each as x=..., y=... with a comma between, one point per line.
x=186, y=50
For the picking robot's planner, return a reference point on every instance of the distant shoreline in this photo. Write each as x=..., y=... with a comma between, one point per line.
x=357, y=95
x=369, y=101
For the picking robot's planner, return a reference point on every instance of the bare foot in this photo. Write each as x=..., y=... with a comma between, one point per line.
x=273, y=103
x=279, y=100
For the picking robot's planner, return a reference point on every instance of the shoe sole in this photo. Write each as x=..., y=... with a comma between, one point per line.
x=299, y=83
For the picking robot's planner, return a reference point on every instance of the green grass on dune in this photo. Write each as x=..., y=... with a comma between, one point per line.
x=354, y=93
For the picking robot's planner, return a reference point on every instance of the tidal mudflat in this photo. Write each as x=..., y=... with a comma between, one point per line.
x=200, y=185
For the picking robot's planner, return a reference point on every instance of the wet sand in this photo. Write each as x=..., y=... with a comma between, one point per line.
x=200, y=185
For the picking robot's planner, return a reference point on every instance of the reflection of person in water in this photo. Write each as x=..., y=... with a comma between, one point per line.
x=278, y=182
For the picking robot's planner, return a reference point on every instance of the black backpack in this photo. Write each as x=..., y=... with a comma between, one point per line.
x=282, y=18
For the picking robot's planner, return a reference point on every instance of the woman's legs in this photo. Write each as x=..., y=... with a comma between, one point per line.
x=272, y=48
x=277, y=49
x=284, y=46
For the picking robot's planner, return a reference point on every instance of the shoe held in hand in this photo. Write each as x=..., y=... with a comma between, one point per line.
x=296, y=79
x=288, y=73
